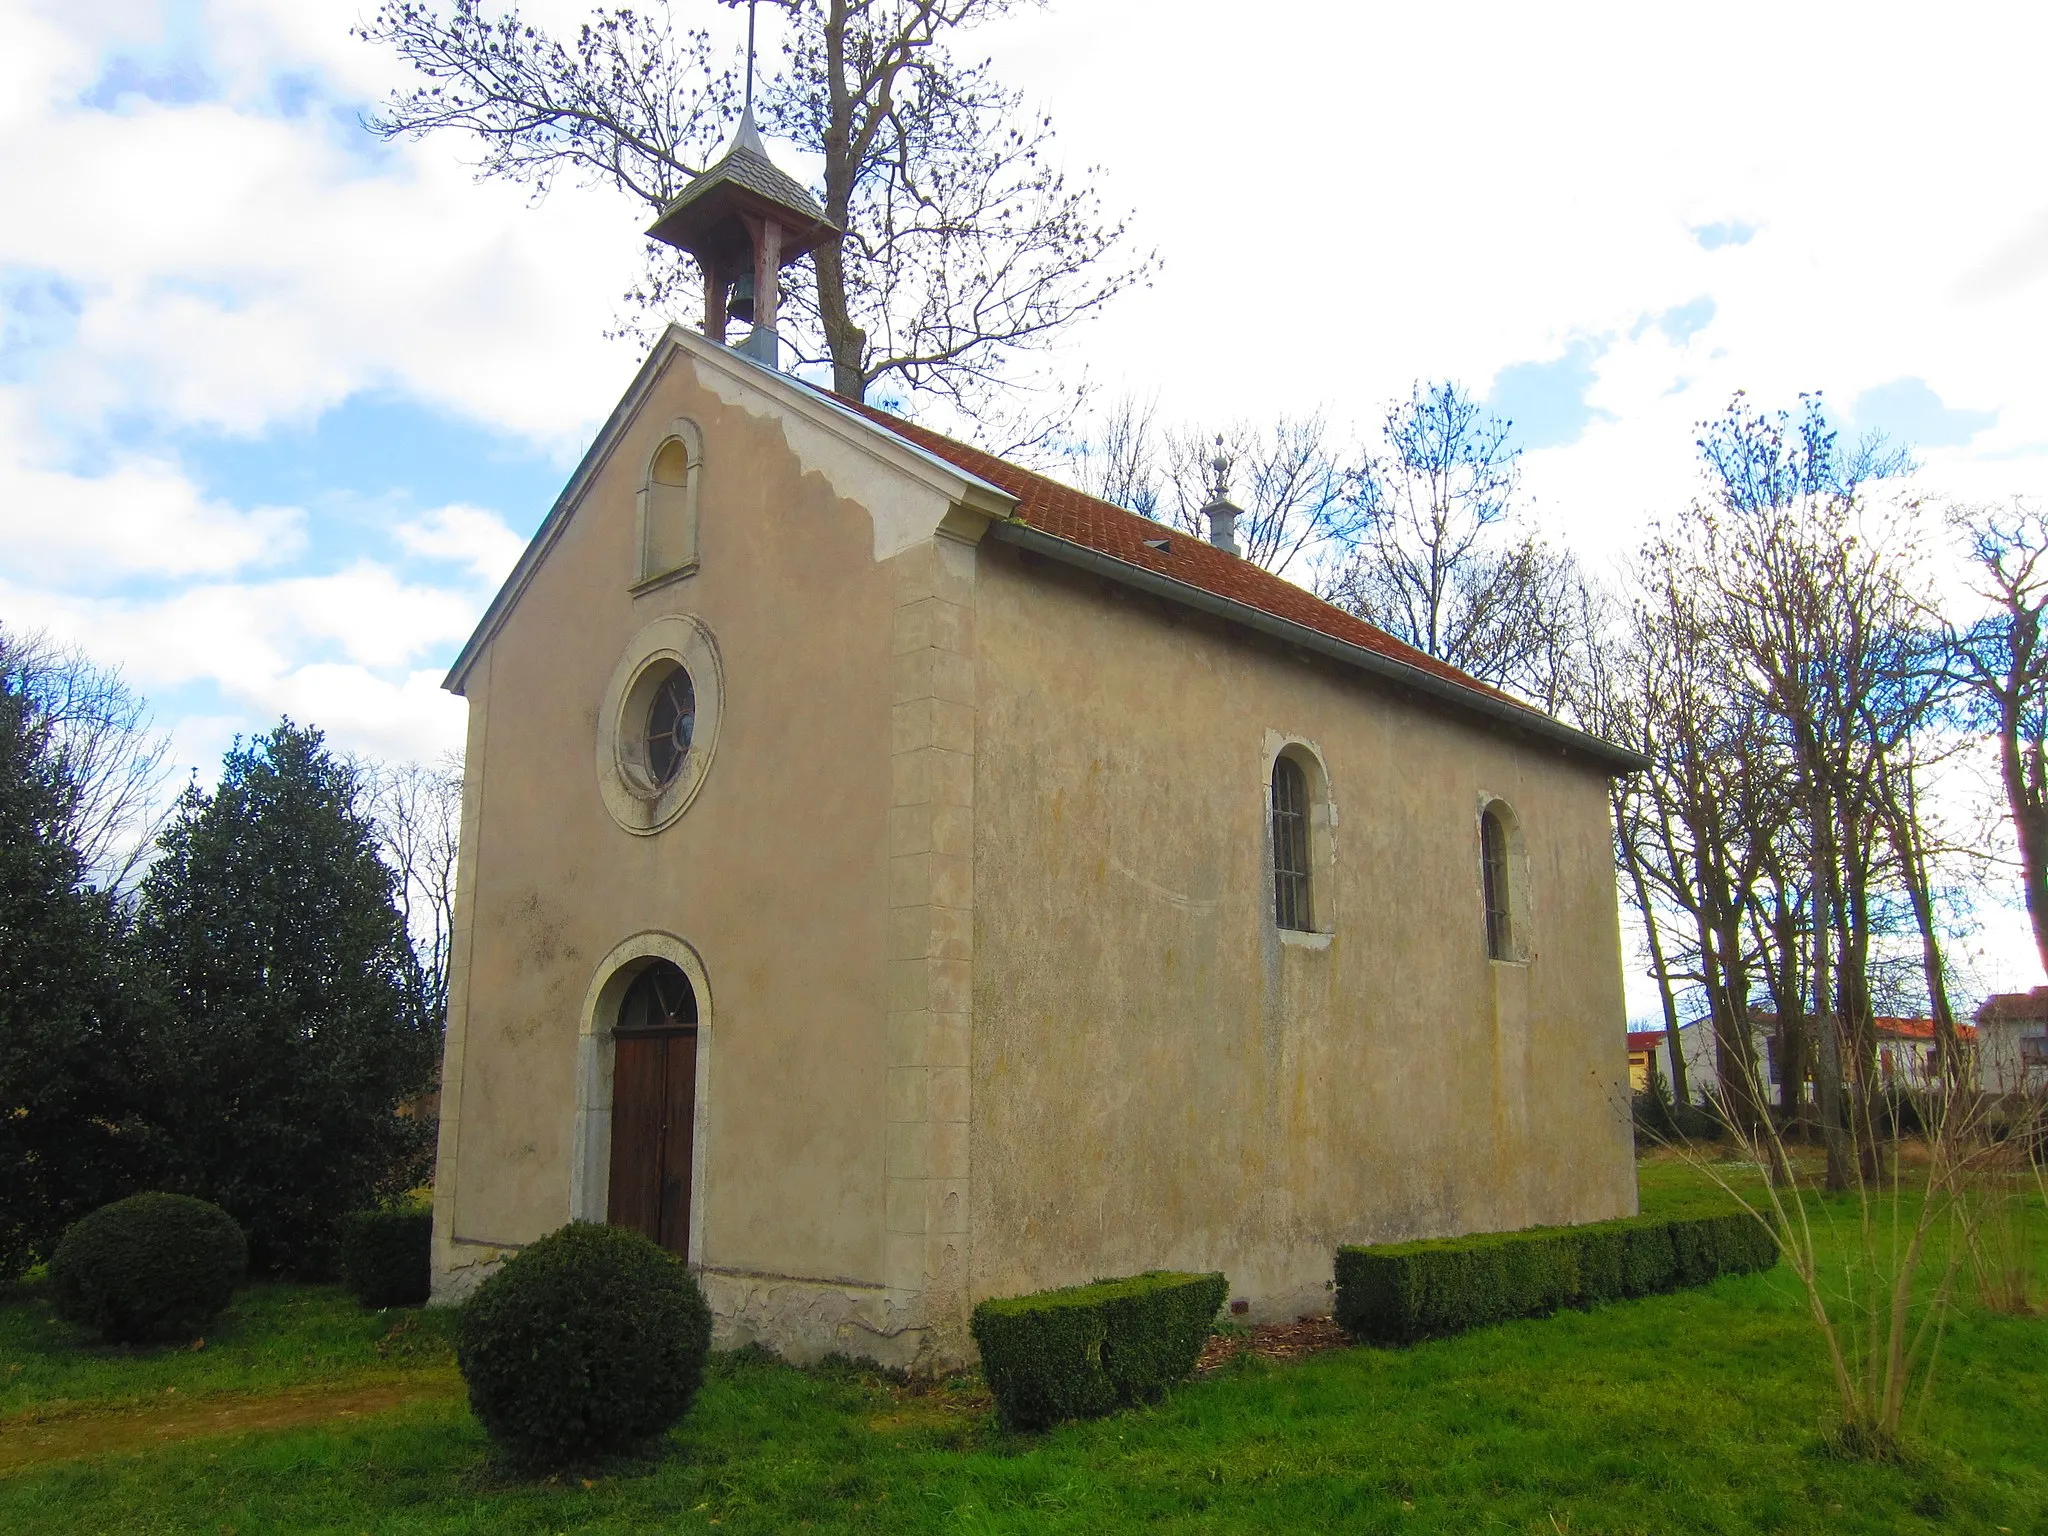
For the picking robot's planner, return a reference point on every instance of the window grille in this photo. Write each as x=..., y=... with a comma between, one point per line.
x=1493, y=866
x=671, y=721
x=660, y=997
x=1290, y=847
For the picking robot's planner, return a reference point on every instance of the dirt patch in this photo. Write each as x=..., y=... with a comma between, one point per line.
x=1273, y=1341
x=948, y=1403
x=31, y=1440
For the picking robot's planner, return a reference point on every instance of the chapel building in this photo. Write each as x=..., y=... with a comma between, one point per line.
x=891, y=878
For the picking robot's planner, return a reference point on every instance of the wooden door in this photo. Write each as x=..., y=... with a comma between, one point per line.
x=654, y=1102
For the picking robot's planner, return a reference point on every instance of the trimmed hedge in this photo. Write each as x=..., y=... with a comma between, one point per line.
x=1403, y=1292
x=589, y=1340
x=1091, y=1349
x=149, y=1267
x=387, y=1257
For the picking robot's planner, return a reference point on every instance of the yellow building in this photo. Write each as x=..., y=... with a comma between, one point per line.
x=891, y=878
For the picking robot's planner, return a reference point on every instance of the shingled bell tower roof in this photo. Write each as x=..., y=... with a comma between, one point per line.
x=709, y=218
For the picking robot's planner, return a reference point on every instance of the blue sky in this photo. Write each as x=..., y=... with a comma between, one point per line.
x=279, y=404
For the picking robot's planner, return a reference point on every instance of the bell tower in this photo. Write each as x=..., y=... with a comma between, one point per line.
x=744, y=221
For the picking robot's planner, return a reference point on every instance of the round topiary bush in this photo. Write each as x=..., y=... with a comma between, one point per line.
x=387, y=1257
x=586, y=1341
x=149, y=1267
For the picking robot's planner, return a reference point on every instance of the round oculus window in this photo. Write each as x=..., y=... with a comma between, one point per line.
x=657, y=729
x=671, y=722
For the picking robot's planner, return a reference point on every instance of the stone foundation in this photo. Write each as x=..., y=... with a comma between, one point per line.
x=461, y=1266
x=805, y=1320
x=802, y=1321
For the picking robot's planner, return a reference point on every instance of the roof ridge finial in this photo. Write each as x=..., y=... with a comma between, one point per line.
x=1221, y=514
x=1219, y=473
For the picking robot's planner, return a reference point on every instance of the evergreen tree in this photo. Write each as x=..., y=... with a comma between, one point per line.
x=297, y=1022
x=69, y=1136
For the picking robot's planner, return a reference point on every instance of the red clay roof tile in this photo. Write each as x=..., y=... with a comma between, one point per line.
x=1066, y=513
x=1916, y=1029
x=2026, y=1006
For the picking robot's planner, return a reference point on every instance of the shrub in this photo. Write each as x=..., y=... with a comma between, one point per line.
x=586, y=1341
x=1418, y=1290
x=387, y=1256
x=1402, y=1292
x=1655, y=1127
x=149, y=1267
x=1620, y=1259
x=1090, y=1349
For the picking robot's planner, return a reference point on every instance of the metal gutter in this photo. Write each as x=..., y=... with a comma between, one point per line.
x=1519, y=717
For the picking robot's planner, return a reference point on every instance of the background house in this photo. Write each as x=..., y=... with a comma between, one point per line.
x=1905, y=1048
x=2012, y=1042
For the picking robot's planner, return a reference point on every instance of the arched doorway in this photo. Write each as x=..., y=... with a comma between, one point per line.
x=654, y=1099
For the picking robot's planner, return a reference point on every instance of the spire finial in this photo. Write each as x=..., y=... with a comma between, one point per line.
x=749, y=112
x=1219, y=469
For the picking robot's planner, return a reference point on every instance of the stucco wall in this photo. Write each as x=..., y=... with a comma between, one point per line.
x=978, y=887
x=1160, y=1079
x=777, y=875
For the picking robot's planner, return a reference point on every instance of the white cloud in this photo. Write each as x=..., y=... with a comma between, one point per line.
x=1431, y=191
x=344, y=651
x=235, y=268
x=469, y=536
x=130, y=515
x=225, y=265
x=407, y=718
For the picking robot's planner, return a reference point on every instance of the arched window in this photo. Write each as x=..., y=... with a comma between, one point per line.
x=668, y=506
x=1494, y=879
x=1291, y=887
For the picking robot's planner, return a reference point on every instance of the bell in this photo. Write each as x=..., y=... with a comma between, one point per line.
x=741, y=304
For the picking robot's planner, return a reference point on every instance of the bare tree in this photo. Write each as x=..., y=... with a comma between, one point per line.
x=634, y=100
x=1610, y=699
x=418, y=813
x=1900, y=810
x=1708, y=800
x=1437, y=562
x=2002, y=659
x=114, y=764
x=1292, y=480
x=1790, y=696
x=965, y=248
x=1123, y=454
x=1811, y=604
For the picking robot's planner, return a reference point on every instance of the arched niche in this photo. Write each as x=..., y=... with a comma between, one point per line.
x=668, y=506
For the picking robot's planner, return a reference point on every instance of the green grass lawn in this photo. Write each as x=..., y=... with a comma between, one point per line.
x=1696, y=1412
x=272, y=1337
